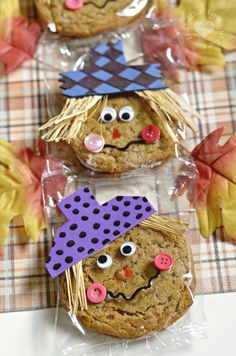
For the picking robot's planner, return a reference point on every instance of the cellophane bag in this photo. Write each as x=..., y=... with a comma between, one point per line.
x=163, y=40
x=78, y=118
x=83, y=19
x=124, y=327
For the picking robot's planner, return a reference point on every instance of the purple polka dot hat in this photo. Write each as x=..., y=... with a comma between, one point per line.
x=90, y=226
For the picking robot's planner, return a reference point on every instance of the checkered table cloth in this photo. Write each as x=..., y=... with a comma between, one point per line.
x=24, y=283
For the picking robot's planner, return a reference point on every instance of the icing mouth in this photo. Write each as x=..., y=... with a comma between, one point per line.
x=138, y=142
x=99, y=6
x=137, y=291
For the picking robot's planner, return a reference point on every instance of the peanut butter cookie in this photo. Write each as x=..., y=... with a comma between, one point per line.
x=90, y=17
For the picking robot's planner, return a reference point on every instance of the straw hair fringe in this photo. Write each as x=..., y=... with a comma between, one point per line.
x=165, y=225
x=171, y=110
x=76, y=292
x=169, y=107
x=70, y=122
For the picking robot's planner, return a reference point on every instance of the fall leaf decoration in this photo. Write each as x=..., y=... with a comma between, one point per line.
x=20, y=188
x=214, y=193
x=211, y=23
x=193, y=34
x=18, y=42
x=166, y=42
x=9, y=9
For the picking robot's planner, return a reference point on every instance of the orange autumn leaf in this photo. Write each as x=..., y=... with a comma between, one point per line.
x=214, y=193
x=20, y=188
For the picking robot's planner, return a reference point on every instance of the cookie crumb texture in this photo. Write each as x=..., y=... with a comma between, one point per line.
x=151, y=309
x=113, y=160
x=94, y=17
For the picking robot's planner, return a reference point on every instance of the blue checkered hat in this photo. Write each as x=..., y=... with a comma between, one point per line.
x=110, y=74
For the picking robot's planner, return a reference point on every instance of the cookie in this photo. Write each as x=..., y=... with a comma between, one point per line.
x=151, y=309
x=124, y=271
x=89, y=17
x=124, y=147
x=119, y=117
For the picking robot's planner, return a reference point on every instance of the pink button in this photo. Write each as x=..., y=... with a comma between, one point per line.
x=94, y=143
x=74, y=4
x=96, y=293
x=163, y=261
x=150, y=133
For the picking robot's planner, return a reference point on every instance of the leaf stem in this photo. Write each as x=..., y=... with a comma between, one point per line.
x=4, y=165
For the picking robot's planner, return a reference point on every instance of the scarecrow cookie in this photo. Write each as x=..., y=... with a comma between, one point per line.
x=117, y=117
x=124, y=271
x=86, y=18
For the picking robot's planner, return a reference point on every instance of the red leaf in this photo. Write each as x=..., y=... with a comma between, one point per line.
x=18, y=42
x=168, y=44
x=214, y=194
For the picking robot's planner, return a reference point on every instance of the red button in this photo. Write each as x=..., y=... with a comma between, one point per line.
x=74, y=4
x=150, y=133
x=163, y=261
x=96, y=293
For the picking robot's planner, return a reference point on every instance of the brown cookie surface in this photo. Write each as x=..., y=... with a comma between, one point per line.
x=122, y=151
x=150, y=309
x=94, y=17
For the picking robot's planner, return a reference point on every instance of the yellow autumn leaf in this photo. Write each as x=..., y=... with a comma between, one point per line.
x=210, y=25
x=20, y=189
x=9, y=8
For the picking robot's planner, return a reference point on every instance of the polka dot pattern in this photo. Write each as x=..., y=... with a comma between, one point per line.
x=92, y=226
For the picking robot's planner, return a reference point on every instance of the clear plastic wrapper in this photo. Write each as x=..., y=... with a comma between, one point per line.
x=164, y=40
x=116, y=117
x=80, y=18
x=156, y=38
x=72, y=332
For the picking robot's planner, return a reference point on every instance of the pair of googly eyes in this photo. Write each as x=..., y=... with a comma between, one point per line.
x=109, y=114
x=126, y=249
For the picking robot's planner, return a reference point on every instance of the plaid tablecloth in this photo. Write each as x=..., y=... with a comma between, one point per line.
x=24, y=283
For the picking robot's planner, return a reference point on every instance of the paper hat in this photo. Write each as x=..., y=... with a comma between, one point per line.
x=110, y=74
x=91, y=226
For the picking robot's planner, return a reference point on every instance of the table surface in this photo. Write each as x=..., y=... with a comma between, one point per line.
x=33, y=331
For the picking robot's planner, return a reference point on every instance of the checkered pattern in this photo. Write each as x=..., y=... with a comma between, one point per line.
x=110, y=74
x=24, y=283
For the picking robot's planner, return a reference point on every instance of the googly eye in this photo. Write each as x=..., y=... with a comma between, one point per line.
x=108, y=114
x=104, y=261
x=127, y=248
x=126, y=114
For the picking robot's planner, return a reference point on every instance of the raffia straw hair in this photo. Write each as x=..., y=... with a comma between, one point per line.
x=76, y=291
x=165, y=225
x=171, y=110
x=70, y=122
x=168, y=106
